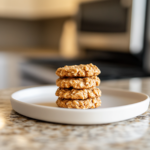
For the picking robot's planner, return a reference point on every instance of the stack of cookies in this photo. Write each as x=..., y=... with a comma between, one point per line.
x=77, y=87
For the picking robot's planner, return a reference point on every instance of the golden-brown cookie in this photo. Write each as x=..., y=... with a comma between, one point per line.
x=79, y=104
x=78, y=71
x=77, y=93
x=78, y=83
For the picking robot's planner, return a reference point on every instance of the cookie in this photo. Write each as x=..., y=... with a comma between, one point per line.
x=78, y=71
x=78, y=83
x=79, y=104
x=78, y=94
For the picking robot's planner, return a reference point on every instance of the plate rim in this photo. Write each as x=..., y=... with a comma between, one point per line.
x=82, y=110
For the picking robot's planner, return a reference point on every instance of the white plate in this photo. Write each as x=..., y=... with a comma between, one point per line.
x=117, y=105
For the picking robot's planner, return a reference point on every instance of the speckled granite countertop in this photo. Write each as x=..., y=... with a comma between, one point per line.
x=21, y=133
